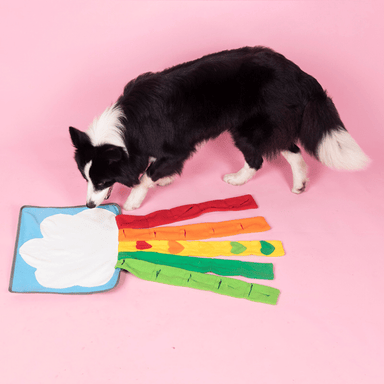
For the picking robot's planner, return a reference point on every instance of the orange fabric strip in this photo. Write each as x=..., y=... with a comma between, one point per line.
x=196, y=231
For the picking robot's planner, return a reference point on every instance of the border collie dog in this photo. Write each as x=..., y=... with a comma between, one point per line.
x=266, y=103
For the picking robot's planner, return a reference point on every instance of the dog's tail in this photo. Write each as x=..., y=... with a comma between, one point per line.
x=324, y=136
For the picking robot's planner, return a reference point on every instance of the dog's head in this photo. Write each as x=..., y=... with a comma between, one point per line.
x=101, y=166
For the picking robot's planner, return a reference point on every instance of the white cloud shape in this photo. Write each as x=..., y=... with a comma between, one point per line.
x=79, y=249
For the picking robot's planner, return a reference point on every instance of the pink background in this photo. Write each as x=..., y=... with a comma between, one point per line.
x=62, y=63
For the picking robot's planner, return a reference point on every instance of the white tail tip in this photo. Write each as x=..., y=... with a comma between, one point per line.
x=339, y=150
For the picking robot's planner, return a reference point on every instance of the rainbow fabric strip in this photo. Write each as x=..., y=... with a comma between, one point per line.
x=169, y=258
x=185, y=212
x=198, y=264
x=196, y=231
x=271, y=248
x=183, y=278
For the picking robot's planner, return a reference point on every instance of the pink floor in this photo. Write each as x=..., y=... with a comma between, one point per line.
x=63, y=64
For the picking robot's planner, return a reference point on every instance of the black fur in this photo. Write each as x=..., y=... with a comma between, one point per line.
x=266, y=102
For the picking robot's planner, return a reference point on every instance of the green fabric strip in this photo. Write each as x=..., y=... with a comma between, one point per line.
x=197, y=264
x=180, y=277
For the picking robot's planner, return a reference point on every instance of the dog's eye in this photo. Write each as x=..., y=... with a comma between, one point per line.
x=100, y=185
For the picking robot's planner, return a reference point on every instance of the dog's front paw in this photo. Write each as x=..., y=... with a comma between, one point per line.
x=240, y=177
x=130, y=206
x=300, y=188
x=234, y=179
x=165, y=181
x=133, y=202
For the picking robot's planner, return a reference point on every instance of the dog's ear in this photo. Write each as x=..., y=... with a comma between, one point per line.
x=79, y=138
x=114, y=154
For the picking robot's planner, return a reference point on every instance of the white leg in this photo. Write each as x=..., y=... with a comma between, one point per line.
x=241, y=177
x=138, y=193
x=299, y=170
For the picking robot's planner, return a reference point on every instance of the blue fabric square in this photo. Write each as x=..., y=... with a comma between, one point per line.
x=23, y=275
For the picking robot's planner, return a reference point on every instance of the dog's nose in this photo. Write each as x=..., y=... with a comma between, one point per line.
x=91, y=204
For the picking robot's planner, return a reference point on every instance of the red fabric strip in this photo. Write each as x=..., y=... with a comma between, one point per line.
x=185, y=212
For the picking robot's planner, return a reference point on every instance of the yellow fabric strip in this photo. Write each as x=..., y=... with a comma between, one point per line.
x=196, y=231
x=271, y=248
